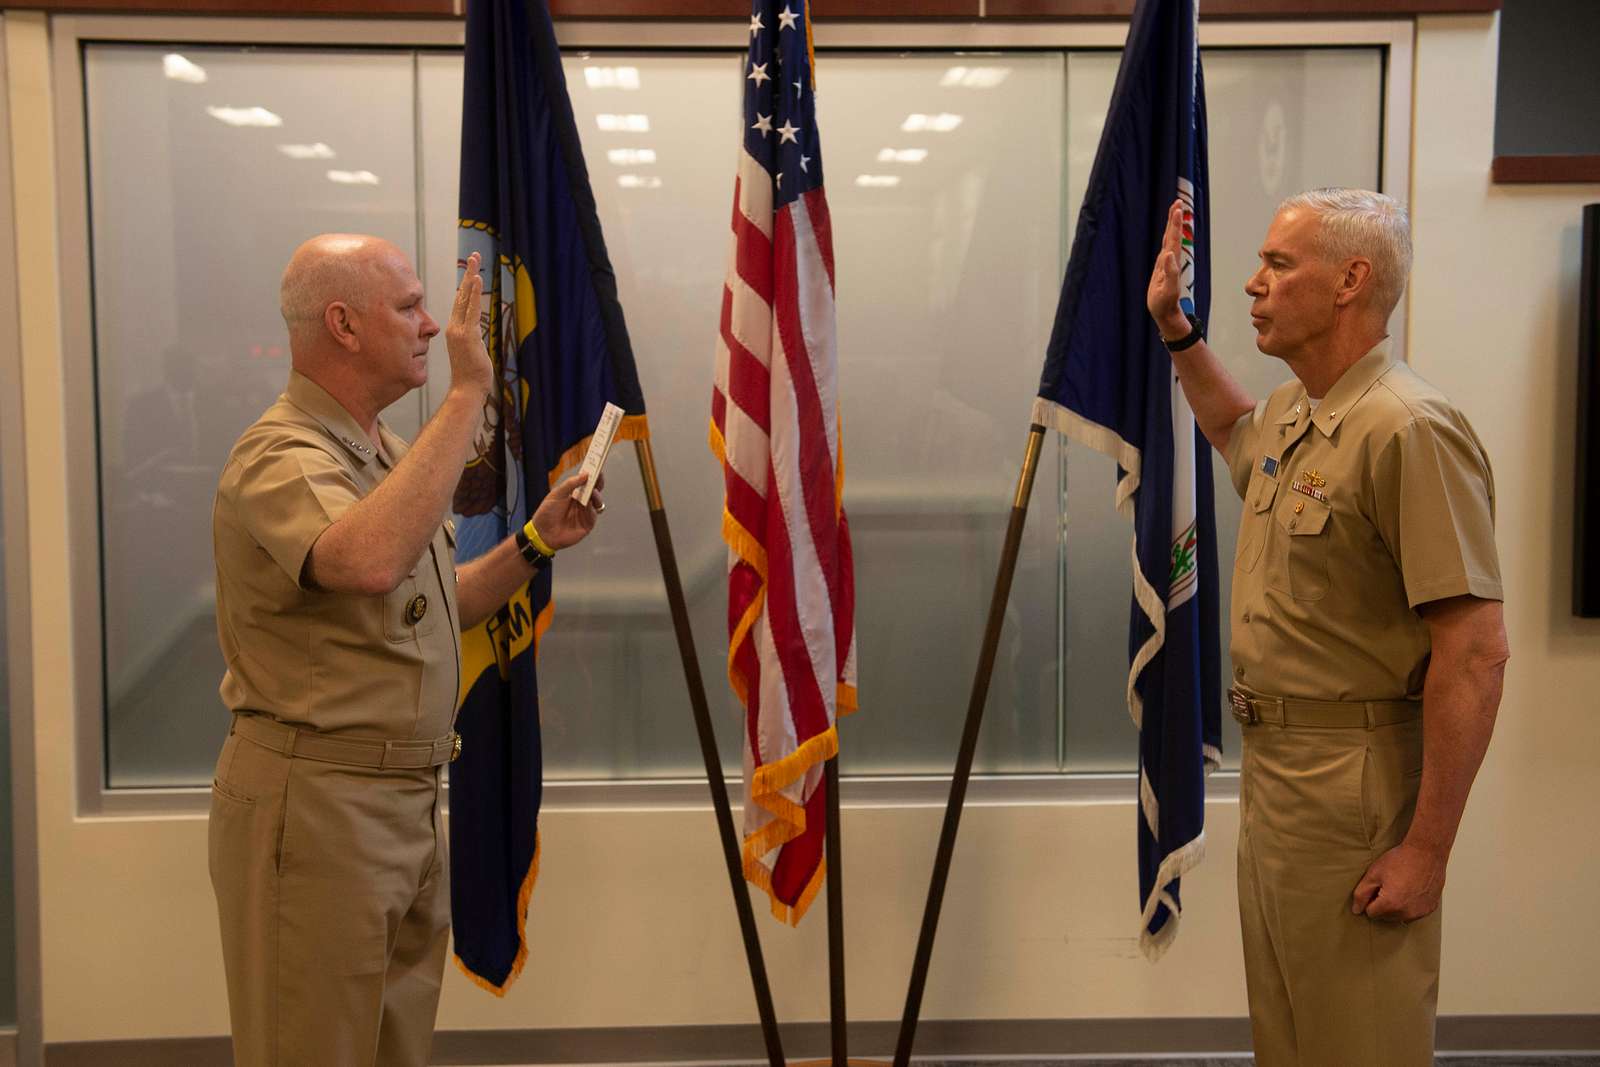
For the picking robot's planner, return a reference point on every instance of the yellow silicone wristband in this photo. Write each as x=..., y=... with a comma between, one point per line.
x=532, y=533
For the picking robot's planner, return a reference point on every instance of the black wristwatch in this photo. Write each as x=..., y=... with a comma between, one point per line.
x=536, y=559
x=1196, y=334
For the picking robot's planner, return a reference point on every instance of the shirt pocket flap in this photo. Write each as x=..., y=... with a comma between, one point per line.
x=409, y=613
x=1263, y=491
x=1305, y=517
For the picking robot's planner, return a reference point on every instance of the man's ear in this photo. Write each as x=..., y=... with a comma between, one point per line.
x=340, y=321
x=1353, y=282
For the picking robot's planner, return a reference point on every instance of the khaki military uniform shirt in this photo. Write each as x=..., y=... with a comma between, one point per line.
x=1381, y=500
x=380, y=666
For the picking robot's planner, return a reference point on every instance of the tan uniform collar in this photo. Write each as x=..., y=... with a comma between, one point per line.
x=317, y=402
x=1346, y=392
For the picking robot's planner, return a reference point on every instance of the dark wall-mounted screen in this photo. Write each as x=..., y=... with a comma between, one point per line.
x=1548, y=82
x=1586, y=561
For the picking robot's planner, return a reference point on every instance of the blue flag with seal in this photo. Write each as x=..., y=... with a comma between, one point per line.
x=555, y=332
x=1108, y=382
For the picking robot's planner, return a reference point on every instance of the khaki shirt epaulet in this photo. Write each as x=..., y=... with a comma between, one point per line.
x=1378, y=501
x=385, y=666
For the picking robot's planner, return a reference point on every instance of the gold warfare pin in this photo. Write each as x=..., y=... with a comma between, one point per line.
x=416, y=609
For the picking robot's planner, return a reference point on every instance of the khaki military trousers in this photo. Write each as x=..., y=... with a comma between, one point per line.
x=333, y=891
x=1327, y=988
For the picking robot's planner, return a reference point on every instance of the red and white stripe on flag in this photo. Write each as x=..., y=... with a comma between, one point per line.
x=791, y=589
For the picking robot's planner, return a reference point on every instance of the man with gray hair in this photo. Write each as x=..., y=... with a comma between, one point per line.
x=1368, y=641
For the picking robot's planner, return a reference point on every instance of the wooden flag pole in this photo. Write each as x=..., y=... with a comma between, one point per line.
x=969, y=745
x=713, y=760
x=838, y=1020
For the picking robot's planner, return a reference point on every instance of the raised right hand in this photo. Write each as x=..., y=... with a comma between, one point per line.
x=470, y=366
x=1165, y=283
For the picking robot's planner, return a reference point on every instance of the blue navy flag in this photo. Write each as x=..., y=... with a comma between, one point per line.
x=555, y=332
x=1108, y=382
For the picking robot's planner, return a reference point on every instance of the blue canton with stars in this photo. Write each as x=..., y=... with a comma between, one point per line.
x=780, y=115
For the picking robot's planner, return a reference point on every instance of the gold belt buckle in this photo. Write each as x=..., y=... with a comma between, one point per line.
x=1244, y=713
x=455, y=748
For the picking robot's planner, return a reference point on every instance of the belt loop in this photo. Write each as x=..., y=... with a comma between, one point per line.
x=383, y=761
x=1372, y=715
x=288, y=748
x=1283, y=713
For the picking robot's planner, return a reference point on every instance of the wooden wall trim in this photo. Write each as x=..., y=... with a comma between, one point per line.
x=1040, y=10
x=1244, y=9
x=739, y=10
x=264, y=8
x=1517, y=170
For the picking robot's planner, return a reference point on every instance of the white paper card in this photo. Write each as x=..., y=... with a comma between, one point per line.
x=599, y=448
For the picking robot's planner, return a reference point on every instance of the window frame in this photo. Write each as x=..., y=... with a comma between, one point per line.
x=95, y=798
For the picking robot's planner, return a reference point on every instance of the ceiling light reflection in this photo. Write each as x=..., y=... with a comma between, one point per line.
x=180, y=69
x=902, y=155
x=631, y=157
x=623, y=123
x=611, y=77
x=974, y=77
x=639, y=181
x=353, y=177
x=940, y=123
x=306, y=151
x=244, y=116
x=877, y=181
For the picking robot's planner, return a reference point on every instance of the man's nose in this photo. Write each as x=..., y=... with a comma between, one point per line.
x=429, y=327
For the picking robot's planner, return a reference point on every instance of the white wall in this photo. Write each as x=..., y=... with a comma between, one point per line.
x=631, y=924
x=1494, y=322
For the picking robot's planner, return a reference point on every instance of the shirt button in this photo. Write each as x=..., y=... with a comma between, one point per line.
x=1247, y=616
x=1293, y=523
x=1238, y=672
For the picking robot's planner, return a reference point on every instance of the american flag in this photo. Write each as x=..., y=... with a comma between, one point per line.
x=775, y=427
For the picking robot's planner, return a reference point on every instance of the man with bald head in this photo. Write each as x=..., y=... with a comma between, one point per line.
x=339, y=609
x=1368, y=639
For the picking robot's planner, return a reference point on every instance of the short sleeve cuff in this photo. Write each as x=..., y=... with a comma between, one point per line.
x=1241, y=450
x=292, y=554
x=288, y=498
x=1477, y=585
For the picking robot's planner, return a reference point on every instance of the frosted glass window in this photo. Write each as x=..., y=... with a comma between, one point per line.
x=947, y=281
x=949, y=232
x=1280, y=121
x=196, y=202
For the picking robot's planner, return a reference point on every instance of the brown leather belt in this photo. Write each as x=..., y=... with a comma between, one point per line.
x=1251, y=708
x=351, y=751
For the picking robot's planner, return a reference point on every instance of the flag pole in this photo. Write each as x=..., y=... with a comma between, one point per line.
x=969, y=745
x=837, y=1018
x=708, y=750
